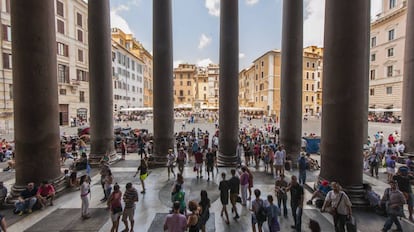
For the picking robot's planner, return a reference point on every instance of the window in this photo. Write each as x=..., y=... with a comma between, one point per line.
x=262, y=75
x=11, y=91
x=373, y=56
x=62, y=49
x=188, y=92
x=6, y=32
x=312, y=99
x=392, y=4
x=306, y=98
x=307, y=75
x=81, y=75
x=113, y=56
x=373, y=42
x=313, y=87
x=181, y=93
x=181, y=83
x=391, y=34
x=63, y=73
x=390, y=52
x=59, y=8
x=80, y=35
x=79, y=19
x=307, y=87
x=389, y=90
x=372, y=75
x=62, y=91
x=313, y=76
x=80, y=55
x=307, y=65
x=5, y=6
x=7, y=61
x=262, y=63
x=188, y=83
x=60, y=26
x=81, y=96
x=389, y=71
x=371, y=92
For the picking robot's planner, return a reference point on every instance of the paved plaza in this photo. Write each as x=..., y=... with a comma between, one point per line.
x=155, y=204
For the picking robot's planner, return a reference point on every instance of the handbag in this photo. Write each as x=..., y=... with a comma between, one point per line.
x=333, y=209
x=350, y=224
x=117, y=210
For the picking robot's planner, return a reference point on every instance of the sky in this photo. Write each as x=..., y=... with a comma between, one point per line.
x=196, y=27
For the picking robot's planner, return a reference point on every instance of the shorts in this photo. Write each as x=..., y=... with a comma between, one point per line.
x=128, y=213
x=143, y=176
x=390, y=170
x=210, y=168
x=198, y=166
x=410, y=200
x=115, y=216
x=255, y=221
x=233, y=198
x=278, y=167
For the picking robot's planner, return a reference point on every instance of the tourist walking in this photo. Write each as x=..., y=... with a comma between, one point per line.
x=104, y=172
x=234, y=185
x=280, y=188
x=175, y=222
x=404, y=179
x=340, y=206
x=85, y=190
x=374, y=162
x=210, y=162
x=279, y=161
x=181, y=159
x=130, y=198
x=244, y=184
x=198, y=156
x=204, y=209
x=115, y=207
x=259, y=214
x=170, y=162
x=193, y=218
x=302, y=166
x=109, y=179
x=394, y=200
x=178, y=194
x=224, y=196
x=143, y=173
x=296, y=202
x=272, y=215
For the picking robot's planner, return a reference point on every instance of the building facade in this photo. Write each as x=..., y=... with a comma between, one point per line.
x=72, y=62
x=260, y=83
x=213, y=72
x=184, y=85
x=127, y=72
x=201, y=89
x=387, y=56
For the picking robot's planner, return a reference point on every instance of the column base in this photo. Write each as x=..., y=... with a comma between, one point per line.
x=356, y=194
x=95, y=159
x=59, y=184
x=157, y=161
x=227, y=160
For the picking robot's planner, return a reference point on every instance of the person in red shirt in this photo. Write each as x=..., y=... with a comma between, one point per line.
x=45, y=192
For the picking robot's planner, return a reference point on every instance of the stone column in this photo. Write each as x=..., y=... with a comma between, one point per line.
x=229, y=82
x=291, y=79
x=163, y=80
x=407, y=126
x=36, y=109
x=346, y=64
x=100, y=82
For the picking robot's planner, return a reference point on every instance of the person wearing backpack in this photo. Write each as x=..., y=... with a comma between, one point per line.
x=272, y=213
x=259, y=214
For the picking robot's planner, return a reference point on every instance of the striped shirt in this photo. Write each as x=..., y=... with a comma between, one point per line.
x=130, y=197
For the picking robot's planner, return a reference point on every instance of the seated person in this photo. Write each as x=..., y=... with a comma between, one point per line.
x=313, y=164
x=323, y=189
x=10, y=165
x=45, y=192
x=3, y=193
x=81, y=163
x=373, y=198
x=71, y=178
x=26, y=200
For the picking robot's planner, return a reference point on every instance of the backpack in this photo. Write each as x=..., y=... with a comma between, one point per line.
x=261, y=214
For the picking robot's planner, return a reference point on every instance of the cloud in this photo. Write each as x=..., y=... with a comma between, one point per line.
x=213, y=7
x=251, y=2
x=119, y=22
x=242, y=55
x=204, y=62
x=313, y=25
x=120, y=8
x=204, y=41
x=376, y=7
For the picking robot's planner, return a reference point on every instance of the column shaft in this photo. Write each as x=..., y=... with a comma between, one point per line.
x=36, y=111
x=407, y=126
x=291, y=79
x=229, y=83
x=346, y=63
x=163, y=79
x=100, y=83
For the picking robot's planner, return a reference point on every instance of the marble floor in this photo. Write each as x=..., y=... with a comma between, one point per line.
x=155, y=204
